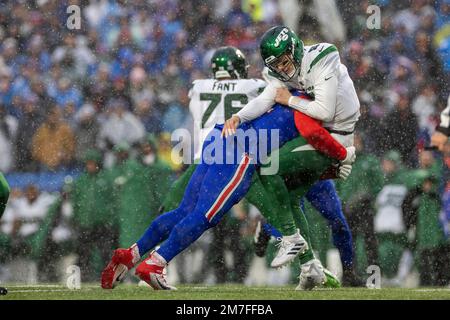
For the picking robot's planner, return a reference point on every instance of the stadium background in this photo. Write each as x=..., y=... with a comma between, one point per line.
x=113, y=91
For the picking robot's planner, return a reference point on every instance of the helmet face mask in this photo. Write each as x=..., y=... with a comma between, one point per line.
x=284, y=66
x=282, y=52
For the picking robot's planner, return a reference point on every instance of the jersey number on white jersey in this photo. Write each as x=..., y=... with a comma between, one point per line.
x=228, y=100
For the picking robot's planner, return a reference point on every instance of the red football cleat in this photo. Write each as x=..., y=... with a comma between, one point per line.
x=151, y=270
x=122, y=261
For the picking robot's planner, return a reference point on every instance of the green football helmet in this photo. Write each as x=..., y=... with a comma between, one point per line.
x=280, y=45
x=229, y=62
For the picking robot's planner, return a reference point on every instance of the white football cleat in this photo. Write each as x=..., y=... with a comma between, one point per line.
x=311, y=275
x=289, y=248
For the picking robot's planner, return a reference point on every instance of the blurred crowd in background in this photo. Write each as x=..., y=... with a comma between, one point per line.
x=86, y=118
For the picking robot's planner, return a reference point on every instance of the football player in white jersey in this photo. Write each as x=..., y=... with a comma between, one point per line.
x=315, y=69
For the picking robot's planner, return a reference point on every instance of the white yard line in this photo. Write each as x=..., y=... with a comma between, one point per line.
x=432, y=290
x=33, y=285
x=43, y=288
x=38, y=290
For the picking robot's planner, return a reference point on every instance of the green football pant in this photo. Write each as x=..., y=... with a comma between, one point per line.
x=300, y=167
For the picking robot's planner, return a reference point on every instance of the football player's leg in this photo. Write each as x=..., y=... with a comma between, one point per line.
x=299, y=164
x=272, y=203
x=223, y=186
x=161, y=227
x=263, y=233
x=267, y=203
x=302, y=223
x=325, y=200
x=278, y=212
x=312, y=273
x=4, y=193
x=176, y=192
x=295, y=157
x=309, y=165
x=271, y=230
x=125, y=259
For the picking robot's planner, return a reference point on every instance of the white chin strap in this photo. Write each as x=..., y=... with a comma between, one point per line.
x=222, y=74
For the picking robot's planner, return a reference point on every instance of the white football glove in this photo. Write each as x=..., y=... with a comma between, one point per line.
x=344, y=171
x=351, y=155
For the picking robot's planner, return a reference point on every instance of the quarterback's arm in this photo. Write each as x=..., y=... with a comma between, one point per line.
x=259, y=105
x=325, y=82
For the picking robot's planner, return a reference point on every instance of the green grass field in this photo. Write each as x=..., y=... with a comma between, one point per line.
x=227, y=292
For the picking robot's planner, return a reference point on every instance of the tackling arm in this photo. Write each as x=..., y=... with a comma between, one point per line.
x=319, y=137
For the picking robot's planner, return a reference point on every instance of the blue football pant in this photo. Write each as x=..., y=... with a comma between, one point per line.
x=211, y=192
x=324, y=198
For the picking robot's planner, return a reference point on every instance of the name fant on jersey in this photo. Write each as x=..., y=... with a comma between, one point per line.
x=224, y=86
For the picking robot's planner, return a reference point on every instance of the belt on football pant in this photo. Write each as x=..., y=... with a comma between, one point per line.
x=342, y=133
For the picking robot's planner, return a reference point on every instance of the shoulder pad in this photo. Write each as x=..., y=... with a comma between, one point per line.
x=323, y=51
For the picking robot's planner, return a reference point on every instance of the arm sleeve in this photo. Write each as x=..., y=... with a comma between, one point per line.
x=444, y=125
x=258, y=106
x=319, y=137
x=325, y=80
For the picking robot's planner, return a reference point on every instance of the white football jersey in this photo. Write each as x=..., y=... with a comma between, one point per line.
x=389, y=216
x=213, y=101
x=323, y=76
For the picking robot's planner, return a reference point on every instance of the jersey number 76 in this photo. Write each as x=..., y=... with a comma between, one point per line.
x=216, y=98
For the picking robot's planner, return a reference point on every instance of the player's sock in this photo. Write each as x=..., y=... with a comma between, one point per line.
x=325, y=200
x=307, y=256
x=302, y=223
x=159, y=230
x=183, y=234
x=269, y=229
